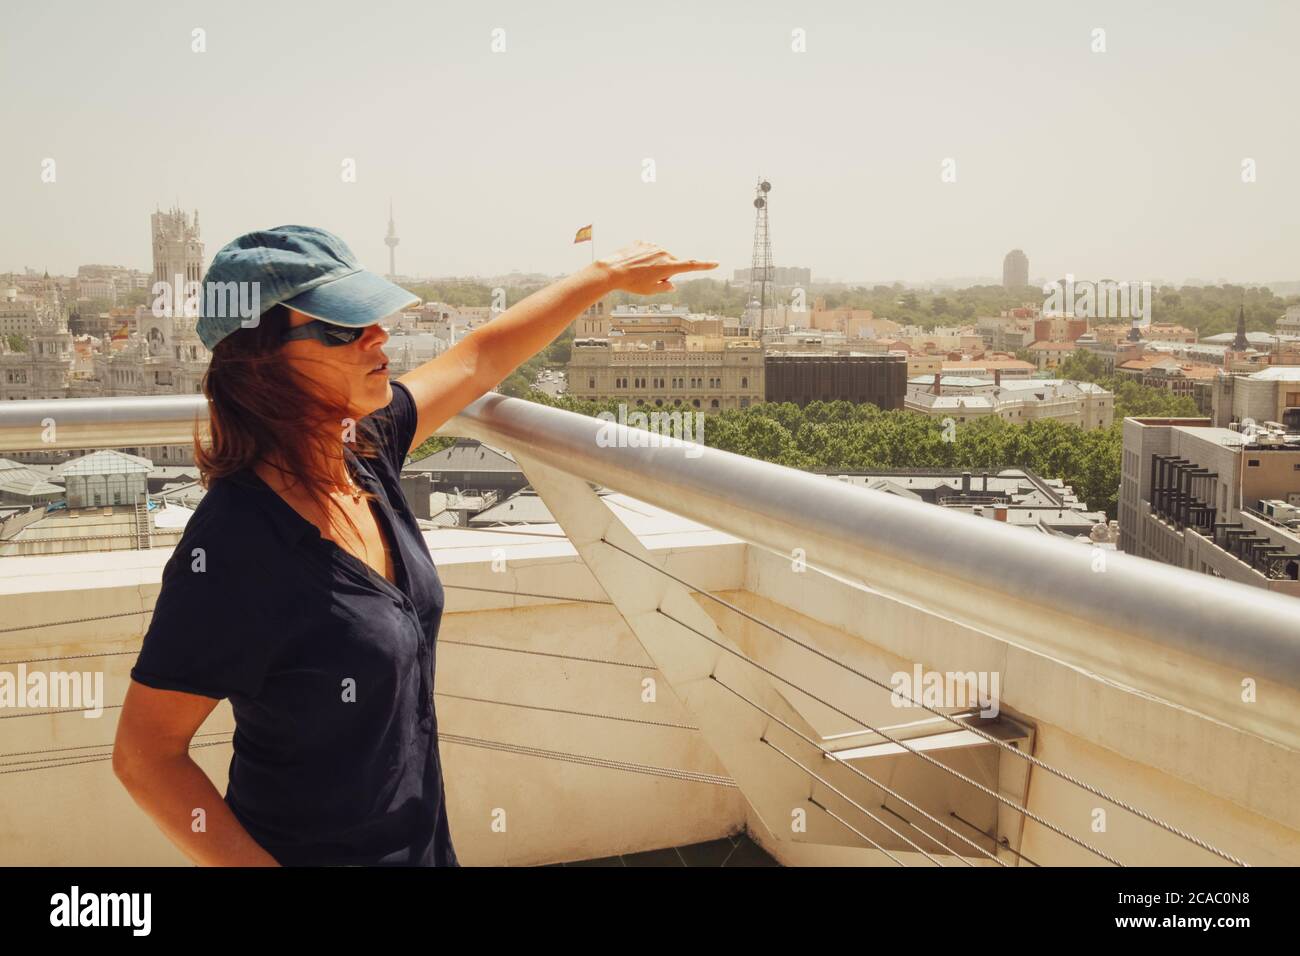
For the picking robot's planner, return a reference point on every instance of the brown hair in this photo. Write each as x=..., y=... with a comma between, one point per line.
x=260, y=405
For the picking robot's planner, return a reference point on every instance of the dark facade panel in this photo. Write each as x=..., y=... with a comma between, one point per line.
x=878, y=379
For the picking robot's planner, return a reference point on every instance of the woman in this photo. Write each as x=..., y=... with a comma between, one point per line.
x=302, y=588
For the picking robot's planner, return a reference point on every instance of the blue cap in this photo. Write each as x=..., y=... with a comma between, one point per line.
x=308, y=269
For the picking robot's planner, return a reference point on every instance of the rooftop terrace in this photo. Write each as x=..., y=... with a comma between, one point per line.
x=727, y=645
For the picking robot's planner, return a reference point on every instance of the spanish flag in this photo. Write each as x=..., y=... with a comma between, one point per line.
x=584, y=234
x=123, y=331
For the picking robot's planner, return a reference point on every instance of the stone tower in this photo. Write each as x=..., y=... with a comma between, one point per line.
x=177, y=251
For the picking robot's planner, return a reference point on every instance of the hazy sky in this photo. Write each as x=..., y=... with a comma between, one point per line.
x=1125, y=163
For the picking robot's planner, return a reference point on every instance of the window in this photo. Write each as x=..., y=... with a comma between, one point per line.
x=1252, y=462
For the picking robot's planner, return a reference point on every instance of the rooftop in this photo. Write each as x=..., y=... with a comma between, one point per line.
x=465, y=456
x=771, y=612
x=107, y=461
x=1277, y=373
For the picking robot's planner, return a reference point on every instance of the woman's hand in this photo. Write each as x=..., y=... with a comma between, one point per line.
x=644, y=268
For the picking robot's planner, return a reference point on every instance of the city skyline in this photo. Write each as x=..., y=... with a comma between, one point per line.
x=938, y=282
x=551, y=137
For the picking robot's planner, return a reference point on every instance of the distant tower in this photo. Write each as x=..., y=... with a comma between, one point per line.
x=762, y=273
x=1240, y=343
x=177, y=251
x=391, y=242
x=1015, y=270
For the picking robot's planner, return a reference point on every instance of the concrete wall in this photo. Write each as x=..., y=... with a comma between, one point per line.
x=1146, y=724
x=61, y=812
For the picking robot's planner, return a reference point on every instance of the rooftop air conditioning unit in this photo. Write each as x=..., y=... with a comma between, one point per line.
x=1279, y=510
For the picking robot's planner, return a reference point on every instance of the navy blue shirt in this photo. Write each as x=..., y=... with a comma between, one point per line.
x=329, y=668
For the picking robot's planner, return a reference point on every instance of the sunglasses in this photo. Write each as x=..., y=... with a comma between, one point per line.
x=327, y=333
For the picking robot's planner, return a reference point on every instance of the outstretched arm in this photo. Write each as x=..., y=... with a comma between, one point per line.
x=443, y=386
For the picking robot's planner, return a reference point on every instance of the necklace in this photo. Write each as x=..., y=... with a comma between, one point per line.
x=354, y=490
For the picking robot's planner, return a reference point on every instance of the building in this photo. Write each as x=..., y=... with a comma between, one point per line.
x=1111, y=354
x=470, y=467
x=803, y=377
x=1007, y=332
x=106, y=477
x=778, y=317
x=1015, y=270
x=990, y=367
x=23, y=487
x=110, y=283
x=1289, y=324
x=939, y=339
x=41, y=367
x=1015, y=496
x=1117, y=332
x=1215, y=500
x=97, y=288
x=177, y=250
x=1270, y=395
x=1188, y=379
x=851, y=323
x=1016, y=401
x=20, y=313
x=1048, y=355
x=710, y=374
x=593, y=322
x=1058, y=328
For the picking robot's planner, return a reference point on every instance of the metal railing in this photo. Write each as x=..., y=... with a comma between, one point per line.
x=982, y=574
x=974, y=573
